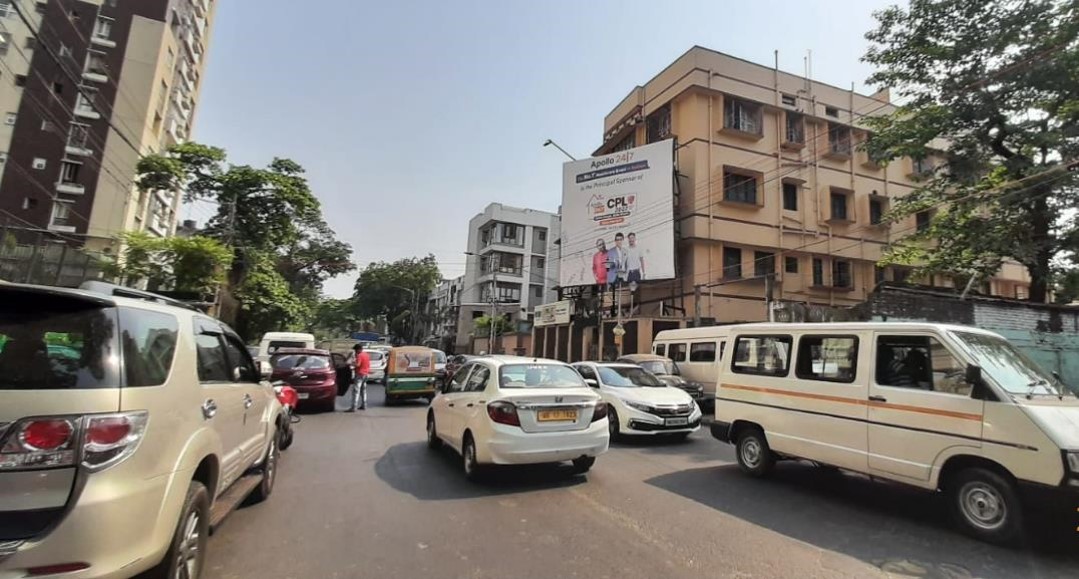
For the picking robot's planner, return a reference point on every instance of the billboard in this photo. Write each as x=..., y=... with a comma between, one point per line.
x=618, y=217
x=553, y=314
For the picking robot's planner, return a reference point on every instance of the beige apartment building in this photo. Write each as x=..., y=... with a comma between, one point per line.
x=88, y=87
x=770, y=180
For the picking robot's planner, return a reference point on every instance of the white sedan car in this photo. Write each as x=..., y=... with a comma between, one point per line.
x=511, y=410
x=639, y=403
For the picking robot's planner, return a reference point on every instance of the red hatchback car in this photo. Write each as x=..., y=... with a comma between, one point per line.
x=311, y=373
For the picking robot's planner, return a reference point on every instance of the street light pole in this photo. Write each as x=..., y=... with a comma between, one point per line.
x=551, y=142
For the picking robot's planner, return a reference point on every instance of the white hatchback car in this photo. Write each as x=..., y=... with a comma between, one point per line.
x=511, y=410
x=639, y=403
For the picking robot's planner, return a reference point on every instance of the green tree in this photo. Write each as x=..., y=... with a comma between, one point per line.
x=193, y=264
x=266, y=302
x=390, y=291
x=992, y=86
x=482, y=326
x=335, y=318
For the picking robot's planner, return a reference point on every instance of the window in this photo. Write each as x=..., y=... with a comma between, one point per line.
x=625, y=144
x=839, y=139
x=85, y=102
x=923, y=220
x=790, y=264
x=240, y=358
x=541, y=263
x=827, y=358
x=878, y=274
x=69, y=172
x=831, y=112
x=742, y=116
x=659, y=124
x=31, y=42
x=841, y=274
x=10, y=119
x=796, y=128
x=65, y=50
x=677, y=352
x=29, y=203
x=789, y=100
x=61, y=213
x=103, y=28
x=818, y=271
x=923, y=166
x=920, y=362
x=763, y=355
x=764, y=263
x=732, y=263
x=509, y=232
x=876, y=210
x=148, y=340
x=839, y=206
x=46, y=126
x=660, y=349
x=78, y=136
x=39, y=163
x=542, y=234
x=739, y=188
x=790, y=196
x=58, y=87
x=97, y=64
x=212, y=363
x=477, y=382
x=537, y=290
x=20, y=80
x=702, y=352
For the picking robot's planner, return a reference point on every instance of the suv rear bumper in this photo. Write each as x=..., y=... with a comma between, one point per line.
x=119, y=525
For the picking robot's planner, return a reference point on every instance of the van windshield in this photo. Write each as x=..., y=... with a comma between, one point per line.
x=1011, y=368
x=275, y=345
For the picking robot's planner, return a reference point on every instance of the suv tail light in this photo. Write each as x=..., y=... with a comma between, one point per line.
x=96, y=440
x=503, y=412
x=600, y=412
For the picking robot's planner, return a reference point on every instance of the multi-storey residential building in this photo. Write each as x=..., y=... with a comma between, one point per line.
x=88, y=87
x=441, y=313
x=771, y=180
x=511, y=262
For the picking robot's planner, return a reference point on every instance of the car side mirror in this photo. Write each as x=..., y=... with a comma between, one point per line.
x=973, y=374
x=265, y=370
x=591, y=382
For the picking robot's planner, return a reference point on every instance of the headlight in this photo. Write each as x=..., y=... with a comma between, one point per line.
x=639, y=406
x=1073, y=462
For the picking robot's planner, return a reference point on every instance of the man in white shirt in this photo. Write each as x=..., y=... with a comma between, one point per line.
x=634, y=260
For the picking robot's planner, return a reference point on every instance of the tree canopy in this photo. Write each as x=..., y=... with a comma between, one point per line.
x=391, y=291
x=196, y=265
x=992, y=88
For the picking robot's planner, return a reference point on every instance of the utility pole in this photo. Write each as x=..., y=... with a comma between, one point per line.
x=494, y=303
x=696, y=306
x=769, y=295
x=230, y=234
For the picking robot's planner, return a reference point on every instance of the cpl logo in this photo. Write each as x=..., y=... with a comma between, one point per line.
x=624, y=202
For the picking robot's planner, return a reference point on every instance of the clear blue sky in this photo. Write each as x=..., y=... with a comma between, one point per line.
x=412, y=116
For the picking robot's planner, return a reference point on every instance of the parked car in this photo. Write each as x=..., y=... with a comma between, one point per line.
x=120, y=460
x=312, y=373
x=440, y=365
x=454, y=363
x=944, y=408
x=510, y=410
x=379, y=359
x=667, y=371
x=641, y=404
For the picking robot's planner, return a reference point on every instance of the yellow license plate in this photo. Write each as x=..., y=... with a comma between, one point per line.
x=557, y=415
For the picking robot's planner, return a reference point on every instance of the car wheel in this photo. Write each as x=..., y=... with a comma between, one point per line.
x=269, y=473
x=433, y=441
x=583, y=464
x=187, y=551
x=468, y=456
x=754, y=455
x=614, y=427
x=986, y=506
x=680, y=437
x=286, y=436
x=330, y=405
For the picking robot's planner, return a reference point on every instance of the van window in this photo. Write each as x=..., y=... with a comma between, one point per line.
x=763, y=355
x=920, y=362
x=660, y=349
x=277, y=344
x=148, y=340
x=702, y=352
x=677, y=352
x=828, y=358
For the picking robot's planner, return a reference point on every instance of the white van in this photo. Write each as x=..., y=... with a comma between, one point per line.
x=946, y=408
x=271, y=341
x=696, y=351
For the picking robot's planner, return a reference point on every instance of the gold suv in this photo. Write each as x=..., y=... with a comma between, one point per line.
x=129, y=426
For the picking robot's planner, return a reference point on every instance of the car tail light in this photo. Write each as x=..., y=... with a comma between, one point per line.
x=49, y=434
x=42, y=442
x=600, y=412
x=110, y=438
x=503, y=412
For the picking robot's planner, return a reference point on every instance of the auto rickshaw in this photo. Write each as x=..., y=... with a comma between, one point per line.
x=410, y=373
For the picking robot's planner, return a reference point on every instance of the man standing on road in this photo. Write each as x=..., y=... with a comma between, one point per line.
x=359, y=384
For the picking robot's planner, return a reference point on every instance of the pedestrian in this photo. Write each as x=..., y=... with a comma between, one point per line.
x=359, y=383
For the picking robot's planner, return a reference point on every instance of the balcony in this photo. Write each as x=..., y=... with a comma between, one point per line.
x=102, y=41
x=201, y=7
x=70, y=188
x=77, y=151
x=96, y=76
x=61, y=226
x=87, y=113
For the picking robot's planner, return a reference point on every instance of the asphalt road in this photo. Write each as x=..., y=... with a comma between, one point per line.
x=360, y=495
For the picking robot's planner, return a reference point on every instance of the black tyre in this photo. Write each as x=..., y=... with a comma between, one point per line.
x=286, y=437
x=583, y=464
x=468, y=458
x=614, y=427
x=187, y=551
x=985, y=506
x=433, y=441
x=269, y=473
x=754, y=455
x=680, y=437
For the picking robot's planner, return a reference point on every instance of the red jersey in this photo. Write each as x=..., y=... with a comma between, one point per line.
x=363, y=364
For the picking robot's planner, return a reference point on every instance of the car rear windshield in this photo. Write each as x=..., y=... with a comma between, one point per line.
x=539, y=376
x=276, y=345
x=301, y=362
x=50, y=342
x=440, y=357
x=628, y=377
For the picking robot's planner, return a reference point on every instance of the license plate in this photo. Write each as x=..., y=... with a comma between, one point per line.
x=557, y=415
x=676, y=421
x=302, y=395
